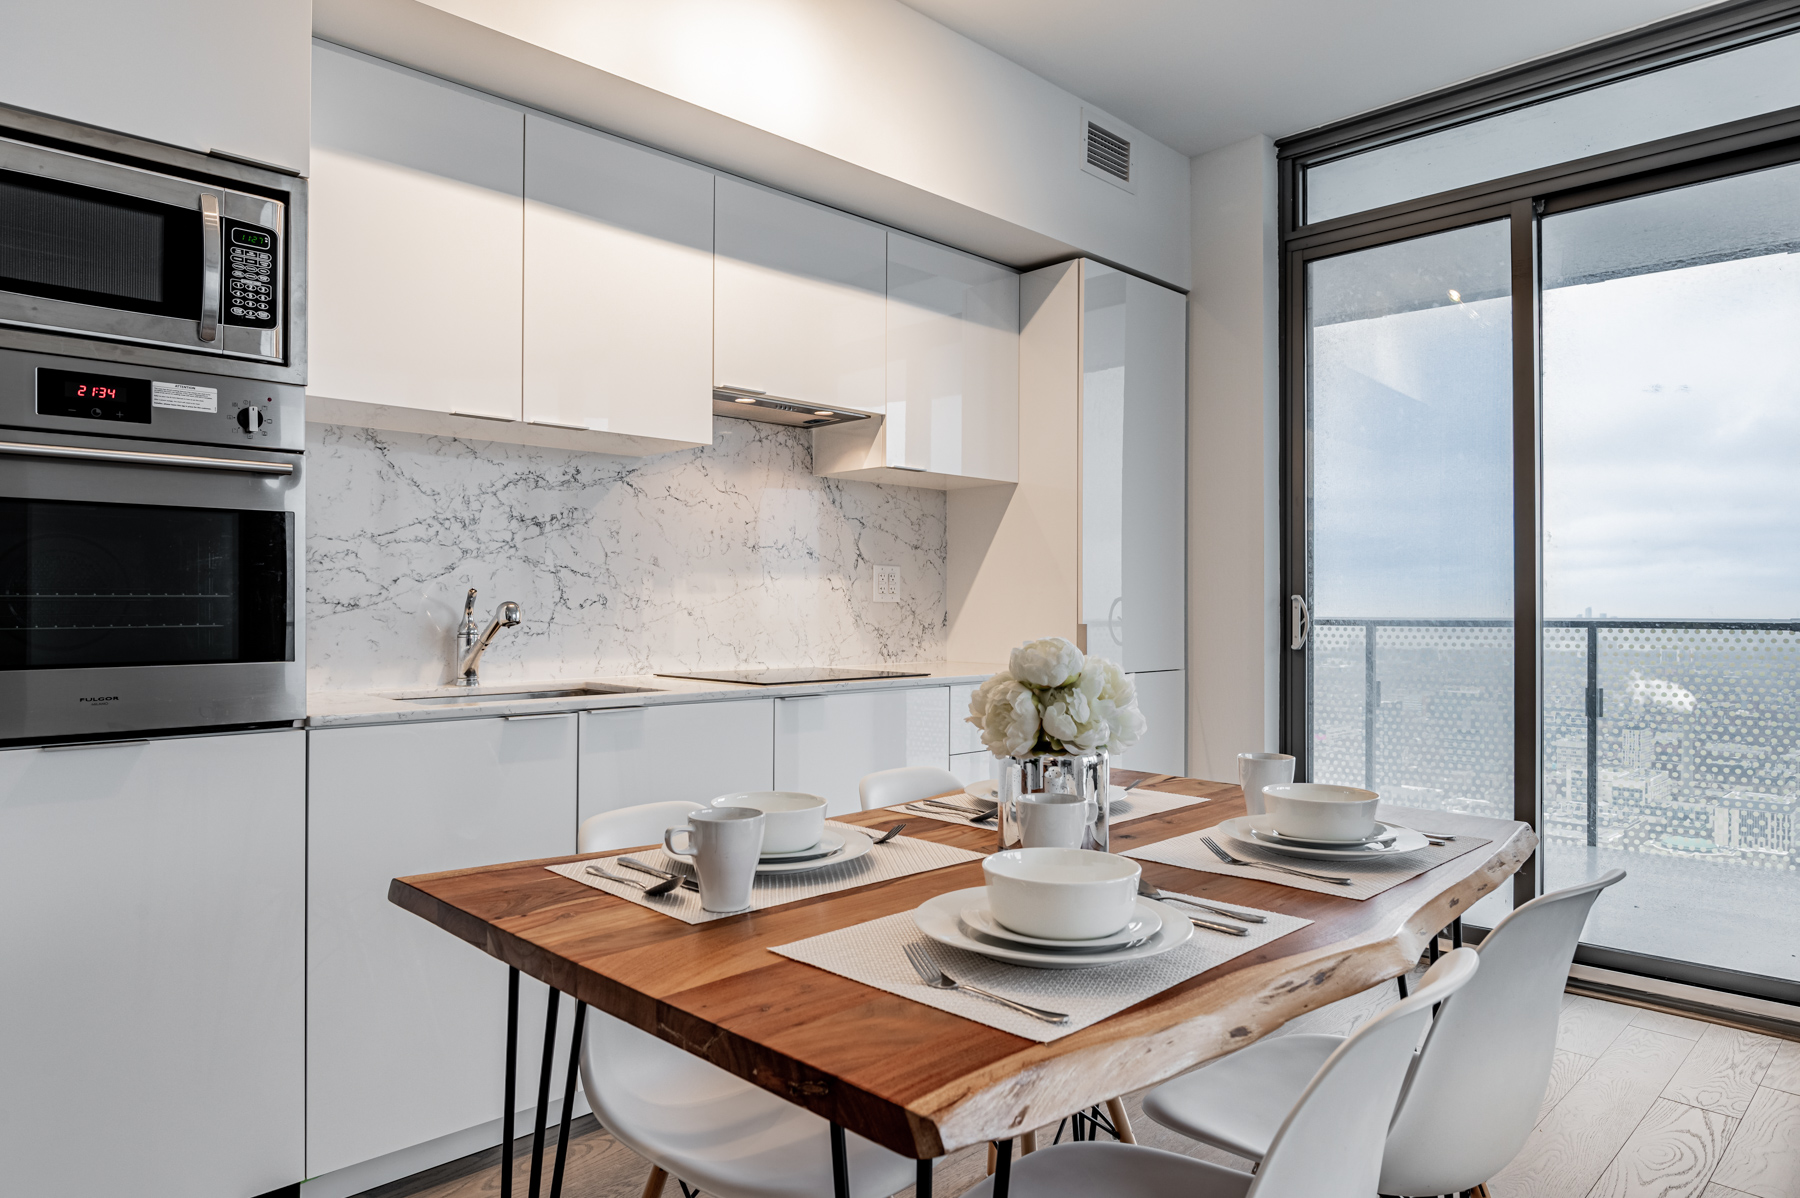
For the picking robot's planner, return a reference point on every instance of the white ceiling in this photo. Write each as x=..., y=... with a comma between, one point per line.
x=1200, y=74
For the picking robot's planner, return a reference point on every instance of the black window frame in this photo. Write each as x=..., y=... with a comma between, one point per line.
x=1738, y=147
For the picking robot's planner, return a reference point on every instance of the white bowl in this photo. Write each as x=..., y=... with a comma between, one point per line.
x=1061, y=894
x=1316, y=811
x=794, y=821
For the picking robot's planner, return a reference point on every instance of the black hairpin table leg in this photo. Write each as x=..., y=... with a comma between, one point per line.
x=840, y=1163
x=922, y=1187
x=543, y=1094
x=1002, y=1167
x=512, y=1069
x=1456, y=932
x=568, y=1105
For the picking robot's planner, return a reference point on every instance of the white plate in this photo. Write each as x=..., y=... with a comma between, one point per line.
x=1245, y=828
x=856, y=843
x=1266, y=831
x=1146, y=921
x=988, y=791
x=939, y=919
x=829, y=842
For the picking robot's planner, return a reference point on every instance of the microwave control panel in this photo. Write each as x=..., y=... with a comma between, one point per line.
x=251, y=281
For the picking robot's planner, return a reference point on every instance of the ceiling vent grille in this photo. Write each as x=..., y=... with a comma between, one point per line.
x=1108, y=153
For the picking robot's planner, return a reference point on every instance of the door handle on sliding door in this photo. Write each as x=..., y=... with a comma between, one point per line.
x=211, y=255
x=1300, y=622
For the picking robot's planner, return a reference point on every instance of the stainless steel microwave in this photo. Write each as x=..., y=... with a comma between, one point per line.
x=113, y=241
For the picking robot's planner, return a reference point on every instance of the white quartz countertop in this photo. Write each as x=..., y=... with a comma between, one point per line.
x=333, y=709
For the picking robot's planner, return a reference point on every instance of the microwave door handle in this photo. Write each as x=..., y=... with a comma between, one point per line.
x=211, y=253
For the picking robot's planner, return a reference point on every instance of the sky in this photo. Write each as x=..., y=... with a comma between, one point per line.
x=1671, y=424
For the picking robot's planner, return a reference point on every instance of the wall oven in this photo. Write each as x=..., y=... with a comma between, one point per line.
x=151, y=549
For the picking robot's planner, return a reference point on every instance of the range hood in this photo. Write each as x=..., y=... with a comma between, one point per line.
x=744, y=404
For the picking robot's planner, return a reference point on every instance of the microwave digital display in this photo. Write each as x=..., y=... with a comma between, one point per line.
x=91, y=396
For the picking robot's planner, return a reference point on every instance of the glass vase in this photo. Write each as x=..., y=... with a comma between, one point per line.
x=1034, y=811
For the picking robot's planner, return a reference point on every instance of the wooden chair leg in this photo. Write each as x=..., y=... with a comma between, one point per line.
x=653, y=1184
x=1115, y=1110
x=1028, y=1143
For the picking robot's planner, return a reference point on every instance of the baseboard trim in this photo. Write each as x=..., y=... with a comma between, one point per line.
x=1676, y=998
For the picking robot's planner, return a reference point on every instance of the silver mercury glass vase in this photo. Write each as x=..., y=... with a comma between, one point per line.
x=1083, y=775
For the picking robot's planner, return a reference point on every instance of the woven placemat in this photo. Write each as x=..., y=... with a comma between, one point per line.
x=898, y=858
x=1125, y=805
x=1367, y=878
x=873, y=953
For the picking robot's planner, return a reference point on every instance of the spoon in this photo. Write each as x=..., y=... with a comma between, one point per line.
x=661, y=888
x=890, y=833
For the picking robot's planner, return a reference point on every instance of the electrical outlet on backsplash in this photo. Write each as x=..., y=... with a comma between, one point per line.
x=730, y=555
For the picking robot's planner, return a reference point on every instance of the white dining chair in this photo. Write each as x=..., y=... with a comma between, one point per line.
x=687, y=1117
x=908, y=784
x=1474, y=1090
x=1328, y=1146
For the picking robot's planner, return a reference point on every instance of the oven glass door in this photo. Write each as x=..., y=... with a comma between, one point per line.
x=86, y=585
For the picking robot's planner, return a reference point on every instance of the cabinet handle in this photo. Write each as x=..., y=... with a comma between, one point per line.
x=95, y=744
x=484, y=416
x=547, y=715
x=561, y=424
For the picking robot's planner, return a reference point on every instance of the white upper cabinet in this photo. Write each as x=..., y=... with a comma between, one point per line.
x=415, y=252
x=618, y=287
x=952, y=414
x=226, y=75
x=800, y=303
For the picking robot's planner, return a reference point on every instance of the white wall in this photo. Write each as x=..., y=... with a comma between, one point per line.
x=1234, y=569
x=145, y=68
x=862, y=104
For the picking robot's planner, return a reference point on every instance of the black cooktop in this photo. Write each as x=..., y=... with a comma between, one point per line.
x=799, y=674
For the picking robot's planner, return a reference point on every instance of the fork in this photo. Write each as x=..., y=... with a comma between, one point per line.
x=968, y=813
x=660, y=888
x=1228, y=859
x=890, y=833
x=681, y=880
x=937, y=979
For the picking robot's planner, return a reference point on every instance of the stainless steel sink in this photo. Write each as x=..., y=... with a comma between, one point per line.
x=487, y=696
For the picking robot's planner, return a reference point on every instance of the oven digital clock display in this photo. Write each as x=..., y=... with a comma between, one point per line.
x=93, y=396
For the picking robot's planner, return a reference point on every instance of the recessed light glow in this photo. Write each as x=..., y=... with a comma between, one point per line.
x=743, y=399
x=824, y=413
x=1455, y=296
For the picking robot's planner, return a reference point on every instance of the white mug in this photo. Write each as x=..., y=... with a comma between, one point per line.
x=1053, y=821
x=724, y=844
x=1257, y=770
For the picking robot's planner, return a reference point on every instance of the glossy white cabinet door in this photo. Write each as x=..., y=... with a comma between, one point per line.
x=975, y=767
x=964, y=736
x=952, y=376
x=618, y=286
x=415, y=260
x=824, y=744
x=1162, y=697
x=1153, y=555
x=152, y=1027
x=800, y=299
x=1104, y=398
x=405, y=1023
x=689, y=751
x=201, y=74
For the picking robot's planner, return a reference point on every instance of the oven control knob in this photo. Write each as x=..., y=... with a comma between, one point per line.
x=250, y=419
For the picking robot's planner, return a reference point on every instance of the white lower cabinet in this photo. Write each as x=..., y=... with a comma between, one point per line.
x=824, y=744
x=154, y=958
x=1162, y=698
x=688, y=751
x=406, y=1023
x=974, y=767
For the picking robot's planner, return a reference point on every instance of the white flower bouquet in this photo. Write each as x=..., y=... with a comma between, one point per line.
x=1053, y=699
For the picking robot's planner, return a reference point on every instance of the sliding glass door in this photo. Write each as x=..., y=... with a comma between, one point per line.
x=1410, y=513
x=1671, y=568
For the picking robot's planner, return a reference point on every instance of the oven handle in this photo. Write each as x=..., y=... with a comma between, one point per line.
x=134, y=457
x=211, y=253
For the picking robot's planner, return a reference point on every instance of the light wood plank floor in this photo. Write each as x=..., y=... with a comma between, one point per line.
x=1640, y=1105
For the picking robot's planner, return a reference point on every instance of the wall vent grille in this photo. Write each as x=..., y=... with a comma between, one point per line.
x=1109, y=152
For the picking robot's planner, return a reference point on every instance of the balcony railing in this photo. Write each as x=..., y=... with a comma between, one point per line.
x=1676, y=737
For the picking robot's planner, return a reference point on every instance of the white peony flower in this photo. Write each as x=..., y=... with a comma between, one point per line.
x=1010, y=719
x=1052, y=661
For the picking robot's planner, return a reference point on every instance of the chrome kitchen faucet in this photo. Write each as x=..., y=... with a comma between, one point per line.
x=473, y=645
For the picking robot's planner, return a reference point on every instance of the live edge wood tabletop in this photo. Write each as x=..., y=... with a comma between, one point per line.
x=918, y=1080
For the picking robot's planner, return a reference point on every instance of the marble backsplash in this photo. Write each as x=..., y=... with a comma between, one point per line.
x=725, y=556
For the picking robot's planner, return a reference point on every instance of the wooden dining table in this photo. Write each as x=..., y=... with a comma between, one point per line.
x=915, y=1079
